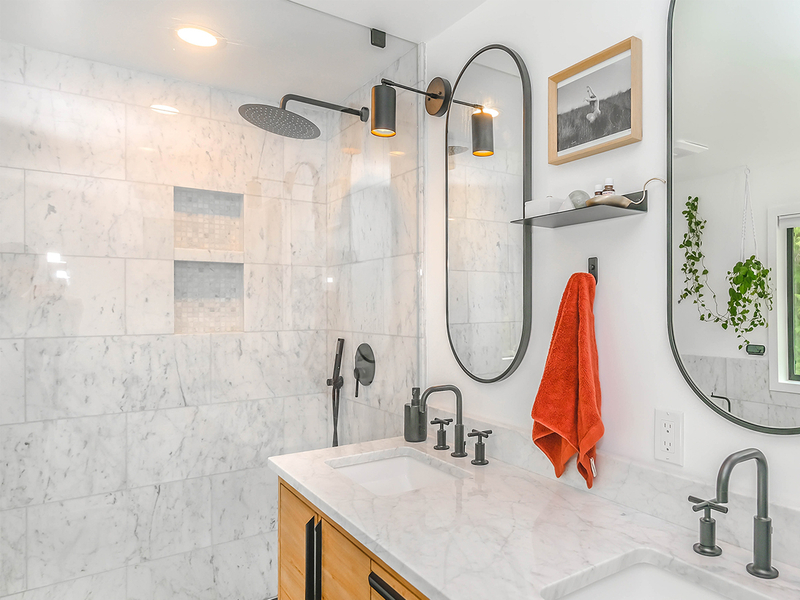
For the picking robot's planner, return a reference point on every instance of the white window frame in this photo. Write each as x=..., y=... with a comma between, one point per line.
x=780, y=218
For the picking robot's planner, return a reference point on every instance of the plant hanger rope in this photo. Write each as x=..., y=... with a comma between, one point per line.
x=747, y=209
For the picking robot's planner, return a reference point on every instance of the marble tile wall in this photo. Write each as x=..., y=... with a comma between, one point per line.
x=132, y=455
x=745, y=382
x=374, y=256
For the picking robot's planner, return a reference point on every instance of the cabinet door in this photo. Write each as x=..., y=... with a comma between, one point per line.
x=294, y=517
x=345, y=568
x=390, y=586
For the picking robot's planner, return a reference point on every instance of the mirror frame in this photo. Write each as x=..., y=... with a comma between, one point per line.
x=670, y=291
x=527, y=194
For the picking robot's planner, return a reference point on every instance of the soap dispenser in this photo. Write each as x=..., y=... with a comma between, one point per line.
x=415, y=426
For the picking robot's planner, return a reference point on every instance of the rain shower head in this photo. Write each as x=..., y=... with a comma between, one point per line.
x=280, y=121
x=288, y=124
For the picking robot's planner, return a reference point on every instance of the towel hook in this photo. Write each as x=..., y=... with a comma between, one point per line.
x=593, y=268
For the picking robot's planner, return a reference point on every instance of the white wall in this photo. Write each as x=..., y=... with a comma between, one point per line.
x=638, y=373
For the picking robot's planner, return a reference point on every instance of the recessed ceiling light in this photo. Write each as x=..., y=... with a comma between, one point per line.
x=164, y=109
x=199, y=36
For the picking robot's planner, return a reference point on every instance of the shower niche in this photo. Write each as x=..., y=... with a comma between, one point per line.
x=209, y=261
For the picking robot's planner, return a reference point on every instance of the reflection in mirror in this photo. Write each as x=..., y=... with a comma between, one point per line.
x=735, y=206
x=487, y=305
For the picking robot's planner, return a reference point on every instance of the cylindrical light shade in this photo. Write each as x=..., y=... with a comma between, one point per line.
x=482, y=134
x=384, y=103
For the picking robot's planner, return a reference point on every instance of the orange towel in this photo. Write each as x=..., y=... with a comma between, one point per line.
x=566, y=412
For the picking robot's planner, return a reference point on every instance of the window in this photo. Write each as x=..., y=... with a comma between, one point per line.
x=793, y=300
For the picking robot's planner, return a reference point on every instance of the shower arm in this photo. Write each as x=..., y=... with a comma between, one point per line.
x=362, y=114
x=428, y=94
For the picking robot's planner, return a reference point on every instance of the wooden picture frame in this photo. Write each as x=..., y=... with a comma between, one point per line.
x=592, y=121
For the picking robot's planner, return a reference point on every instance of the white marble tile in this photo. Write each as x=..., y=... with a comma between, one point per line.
x=493, y=196
x=12, y=210
x=267, y=230
x=12, y=374
x=340, y=231
x=63, y=133
x=360, y=423
x=783, y=416
x=748, y=379
x=174, y=150
x=400, y=295
x=371, y=223
x=247, y=569
x=171, y=518
x=12, y=551
x=404, y=211
x=103, y=586
x=304, y=167
x=492, y=298
x=307, y=424
x=62, y=459
x=35, y=302
x=309, y=229
x=478, y=245
x=86, y=216
x=356, y=300
x=85, y=376
x=265, y=288
x=244, y=504
x=264, y=365
x=188, y=576
x=149, y=296
x=305, y=306
x=708, y=372
x=174, y=444
x=12, y=62
x=64, y=73
x=458, y=297
x=79, y=537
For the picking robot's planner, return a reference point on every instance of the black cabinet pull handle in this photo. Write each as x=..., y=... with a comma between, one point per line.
x=318, y=561
x=310, y=559
x=384, y=589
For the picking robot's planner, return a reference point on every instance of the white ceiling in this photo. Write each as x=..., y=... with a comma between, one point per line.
x=415, y=20
x=274, y=46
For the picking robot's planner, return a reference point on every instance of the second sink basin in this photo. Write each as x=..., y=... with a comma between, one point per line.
x=643, y=582
x=396, y=471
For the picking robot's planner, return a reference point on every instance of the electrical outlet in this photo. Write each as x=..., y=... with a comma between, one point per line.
x=669, y=436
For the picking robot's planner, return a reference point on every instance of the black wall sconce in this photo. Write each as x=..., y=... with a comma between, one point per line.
x=438, y=97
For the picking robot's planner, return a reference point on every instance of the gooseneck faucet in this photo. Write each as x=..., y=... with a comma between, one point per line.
x=416, y=417
x=762, y=524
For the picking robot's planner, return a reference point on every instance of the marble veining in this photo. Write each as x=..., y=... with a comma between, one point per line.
x=506, y=532
x=63, y=133
x=159, y=372
x=36, y=302
x=12, y=210
x=86, y=216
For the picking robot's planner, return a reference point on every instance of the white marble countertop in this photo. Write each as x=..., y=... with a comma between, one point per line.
x=507, y=533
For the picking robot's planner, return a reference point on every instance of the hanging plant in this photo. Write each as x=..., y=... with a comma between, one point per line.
x=749, y=290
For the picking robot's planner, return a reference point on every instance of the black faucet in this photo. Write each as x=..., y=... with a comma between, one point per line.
x=762, y=524
x=416, y=418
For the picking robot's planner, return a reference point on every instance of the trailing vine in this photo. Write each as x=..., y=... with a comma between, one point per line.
x=749, y=291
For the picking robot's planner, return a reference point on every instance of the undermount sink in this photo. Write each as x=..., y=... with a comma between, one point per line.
x=396, y=471
x=645, y=582
x=647, y=575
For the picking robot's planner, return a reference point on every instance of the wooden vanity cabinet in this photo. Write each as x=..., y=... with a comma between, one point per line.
x=317, y=560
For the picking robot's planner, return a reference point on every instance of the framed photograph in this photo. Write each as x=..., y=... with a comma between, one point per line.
x=596, y=105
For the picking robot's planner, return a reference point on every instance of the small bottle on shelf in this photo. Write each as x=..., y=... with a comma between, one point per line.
x=598, y=190
x=609, y=187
